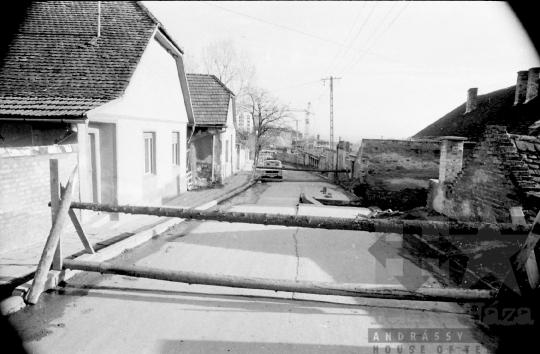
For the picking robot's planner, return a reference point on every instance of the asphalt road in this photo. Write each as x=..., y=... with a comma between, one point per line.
x=96, y=313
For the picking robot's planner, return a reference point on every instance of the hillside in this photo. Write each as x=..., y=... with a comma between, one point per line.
x=494, y=108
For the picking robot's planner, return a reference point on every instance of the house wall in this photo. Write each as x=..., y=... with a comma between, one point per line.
x=228, y=168
x=154, y=103
x=483, y=190
x=25, y=216
x=395, y=173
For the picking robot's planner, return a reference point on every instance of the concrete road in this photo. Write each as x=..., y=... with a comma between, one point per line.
x=283, y=197
x=96, y=313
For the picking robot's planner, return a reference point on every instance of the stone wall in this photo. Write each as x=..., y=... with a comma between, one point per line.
x=489, y=184
x=395, y=173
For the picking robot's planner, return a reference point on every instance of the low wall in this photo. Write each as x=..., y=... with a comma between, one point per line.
x=25, y=192
x=394, y=174
x=488, y=186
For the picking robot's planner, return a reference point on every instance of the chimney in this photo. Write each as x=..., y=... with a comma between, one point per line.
x=451, y=161
x=317, y=137
x=521, y=87
x=471, y=99
x=532, y=84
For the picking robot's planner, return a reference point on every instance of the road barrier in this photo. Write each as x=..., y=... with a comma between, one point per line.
x=419, y=227
x=306, y=287
x=524, y=272
x=298, y=169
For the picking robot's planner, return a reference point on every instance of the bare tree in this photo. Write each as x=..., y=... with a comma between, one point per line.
x=269, y=116
x=232, y=67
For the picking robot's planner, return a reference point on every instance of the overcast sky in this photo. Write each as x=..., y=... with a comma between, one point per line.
x=402, y=65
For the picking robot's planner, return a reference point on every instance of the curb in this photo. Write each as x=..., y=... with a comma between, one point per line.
x=226, y=196
x=54, y=277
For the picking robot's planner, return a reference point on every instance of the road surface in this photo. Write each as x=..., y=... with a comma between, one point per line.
x=94, y=313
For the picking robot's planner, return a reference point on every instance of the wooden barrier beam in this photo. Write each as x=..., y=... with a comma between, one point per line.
x=524, y=273
x=52, y=241
x=418, y=227
x=297, y=169
x=307, y=287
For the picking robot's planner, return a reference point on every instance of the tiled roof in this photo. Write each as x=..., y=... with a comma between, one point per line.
x=56, y=65
x=529, y=149
x=210, y=99
x=47, y=106
x=494, y=108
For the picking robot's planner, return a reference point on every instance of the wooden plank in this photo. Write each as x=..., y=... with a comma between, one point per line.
x=307, y=287
x=80, y=232
x=55, y=204
x=419, y=227
x=297, y=169
x=52, y=241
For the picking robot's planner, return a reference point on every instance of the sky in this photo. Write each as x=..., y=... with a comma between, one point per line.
x=401, y=65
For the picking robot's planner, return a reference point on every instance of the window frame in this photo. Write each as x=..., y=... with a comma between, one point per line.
x=175, y=137
x=149, y=136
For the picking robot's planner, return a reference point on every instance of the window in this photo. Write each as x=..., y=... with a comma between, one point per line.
x=176, y=148
x=149, y=153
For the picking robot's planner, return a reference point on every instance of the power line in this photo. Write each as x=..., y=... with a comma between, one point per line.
x=372, y=33
x=300, y=32
x=346, y=37
x=360, y=30
x=377, y=39
x=290, y=87
x=331, y=41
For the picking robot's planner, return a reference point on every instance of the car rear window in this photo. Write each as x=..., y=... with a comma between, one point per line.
x=272, y=163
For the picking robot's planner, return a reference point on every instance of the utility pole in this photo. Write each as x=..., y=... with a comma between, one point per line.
x=331, y=78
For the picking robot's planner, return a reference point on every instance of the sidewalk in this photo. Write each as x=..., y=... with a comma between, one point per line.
x=19, y=266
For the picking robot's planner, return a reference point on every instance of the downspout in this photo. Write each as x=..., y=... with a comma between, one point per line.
x=213, y=156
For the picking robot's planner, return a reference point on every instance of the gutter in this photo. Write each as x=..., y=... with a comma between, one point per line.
x=52, y=120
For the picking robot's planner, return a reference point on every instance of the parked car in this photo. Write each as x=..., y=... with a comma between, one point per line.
x=270, y=173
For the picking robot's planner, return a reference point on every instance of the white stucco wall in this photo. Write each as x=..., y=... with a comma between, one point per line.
x=229, y=168
x=153, y=102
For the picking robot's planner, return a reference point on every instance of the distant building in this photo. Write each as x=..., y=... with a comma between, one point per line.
x=244, y=122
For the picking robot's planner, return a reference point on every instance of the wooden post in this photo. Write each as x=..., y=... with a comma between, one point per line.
x=297, y=169
x=52, y=241
x=419, y=227
x=308, y=287
x=55, y=204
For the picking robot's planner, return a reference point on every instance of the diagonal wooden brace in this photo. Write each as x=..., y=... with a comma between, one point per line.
x=80, y=232
x=52, y=242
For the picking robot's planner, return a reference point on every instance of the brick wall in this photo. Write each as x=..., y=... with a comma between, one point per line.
x=25, y=217
x=489, y=184
x=395, y=173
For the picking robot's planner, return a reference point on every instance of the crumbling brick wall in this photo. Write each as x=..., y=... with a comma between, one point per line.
x=395, y=173
x=25, y=216
x=492, y=181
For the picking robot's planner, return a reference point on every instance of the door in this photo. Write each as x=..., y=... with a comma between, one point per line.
x=92, y=145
